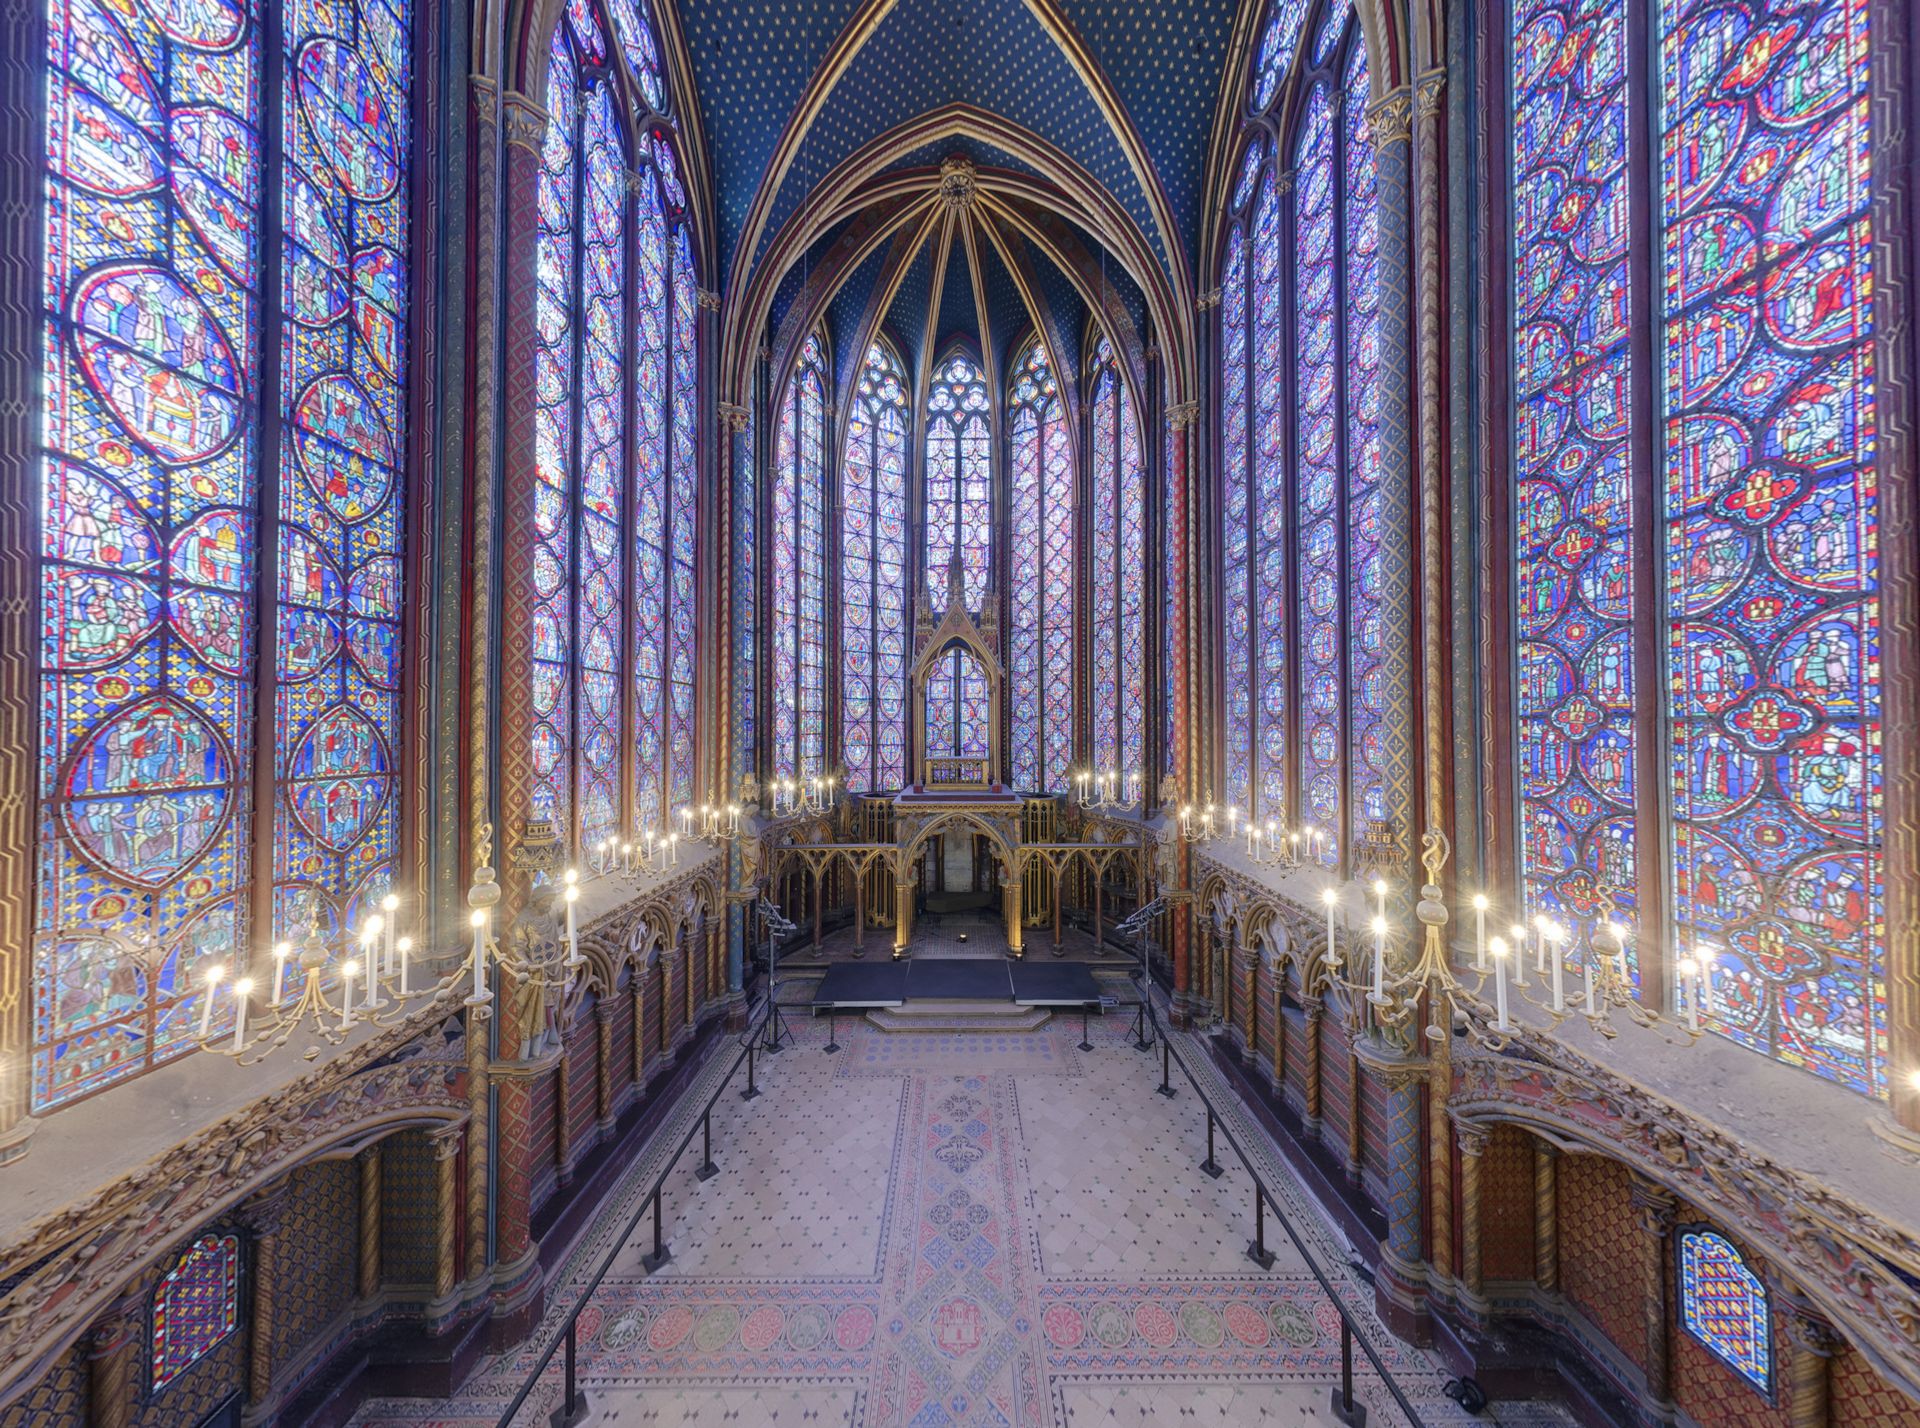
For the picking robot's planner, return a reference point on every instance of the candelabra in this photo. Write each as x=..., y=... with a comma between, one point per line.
x=812, y=795
x=1095, y=791
x=1272, y=846
x=1204, y=827
x=1600, y=989
x=382, y=977
x=711, y=823
x=649, y=853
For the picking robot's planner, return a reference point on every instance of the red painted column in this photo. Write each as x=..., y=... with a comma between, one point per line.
x=516, y=1268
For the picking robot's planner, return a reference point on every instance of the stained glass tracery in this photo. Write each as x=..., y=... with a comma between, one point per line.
x=1118, y=497
x=151, y=477
x=959, y=519
x=196, y=1305
x=1040, y=563
x=1723, y=1304
x=873, y=578
x=1764, y=405
x=799, y=571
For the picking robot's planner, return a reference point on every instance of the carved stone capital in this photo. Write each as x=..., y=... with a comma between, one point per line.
x=734, y=415
x=1182, y=415
x=708, y=300
x=1654, y=1206
x=1392, y=116
x=447, y=1140
x=525, y=121
x=1208, y=299
x=1432, y=93
x=1472, y=1136
x=1806, y=1326
x=1283, y=181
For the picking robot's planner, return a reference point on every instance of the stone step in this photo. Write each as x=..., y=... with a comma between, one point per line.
x=945, y=1016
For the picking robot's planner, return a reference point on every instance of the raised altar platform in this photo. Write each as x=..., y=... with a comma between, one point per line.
x=858, y=986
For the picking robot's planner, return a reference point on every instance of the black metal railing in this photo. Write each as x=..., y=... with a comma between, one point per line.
x=1257, y=1251
x=573, y=1402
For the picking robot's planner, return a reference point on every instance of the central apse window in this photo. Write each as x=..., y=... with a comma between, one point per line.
x=959, y=496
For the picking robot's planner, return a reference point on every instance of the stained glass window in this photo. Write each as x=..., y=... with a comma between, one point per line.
x=1268, y=509
x=1576, y=693
x=1277, y=44
x=1723, y=1304
x=196, y=1306
x=873, y=578
x=152, y=331
x=1760, y=280
x=1319, y=507
x=1367, y=694
x=615, y=459
x=1771, y=517
x=1236, y=612
x=959, y=516
x=799, y=571
x=1040, y=566
x=1118, y=496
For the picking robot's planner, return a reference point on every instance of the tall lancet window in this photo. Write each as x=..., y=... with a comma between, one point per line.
x=873, y=578
x=173, y=213
x=1040, y=571
x=1758, y=660
x=799, y=571
x=959, y=507
x=1117, y=491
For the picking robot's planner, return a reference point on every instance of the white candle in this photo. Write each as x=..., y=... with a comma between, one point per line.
x=348, y=971
x=1480, y=932
x=405, y=948
x=1559, y=971
x=673, y=851
x=573, y=937
x=1253, y=837
x=1593, y=982
x=1707, y=954
x=1688, y=993
x=733, y=819
x=368, y=936
x=281, y=951
x=1332, y=899
x=1380, y=957
x=392, y=906
x=242, y=989
x=1540, y=926
x=213, y=974
x=1380, y=897
x=1519, y=934
x=686, y=820
x=479, y=920
x=1499, y=950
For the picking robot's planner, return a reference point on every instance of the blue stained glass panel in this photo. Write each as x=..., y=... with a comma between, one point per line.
x=1723, y=1304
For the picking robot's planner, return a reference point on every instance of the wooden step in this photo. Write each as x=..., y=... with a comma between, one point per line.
x=951, y=1016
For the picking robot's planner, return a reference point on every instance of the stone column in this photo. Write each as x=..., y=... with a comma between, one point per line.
x=562, y=1115
x=262, y=1218
x=446, y=1152
x=1280, y=1030
x=1246, y=967
x=1176, y=546
x=111, y=1345
x=902, y=916
x=367, y=1282
x=1310, y=1050
x=1546, y=1216
x=1391, y=117
x=1472, y=1140
x=524, y=123
x=1400, y=1289
x=603, y=1064
x=1654, y=1208
x=637, y=989
x=1806, y=1389
x=1010, y=895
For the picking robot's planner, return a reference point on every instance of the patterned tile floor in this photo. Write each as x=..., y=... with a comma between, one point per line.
x=955, y=1229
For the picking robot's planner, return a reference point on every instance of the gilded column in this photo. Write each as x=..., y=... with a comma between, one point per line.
x=1391, y=117
x=1807, y=1391
x=603, y=1063
x=446, y=1163
x=638, y=992
x=1246, y=968
x=1280, y=1030
x=563, y=1115
x=1175, y=544
x=367, y=1282
x=1654, y=1208
x=262, y=1219
x=1472, y=1140
x=1356, y=1125
x=736, y=684
x=1430, y=347
x=524, y=124
x=1310, y=1051
x=1546, y=1216
x=110, y=1347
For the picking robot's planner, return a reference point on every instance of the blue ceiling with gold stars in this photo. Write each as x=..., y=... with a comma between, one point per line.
x=754, y=60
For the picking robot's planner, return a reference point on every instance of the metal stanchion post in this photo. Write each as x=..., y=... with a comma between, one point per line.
x=752, y=1090
x=707, y=1168
x=1165, y=1087
x=1258, y=1251
x=1210, y=1165
x=833, y=1030
x=661, y=1254
x=1354, y=1415
x=1085, y=1044
x=573, y=1403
